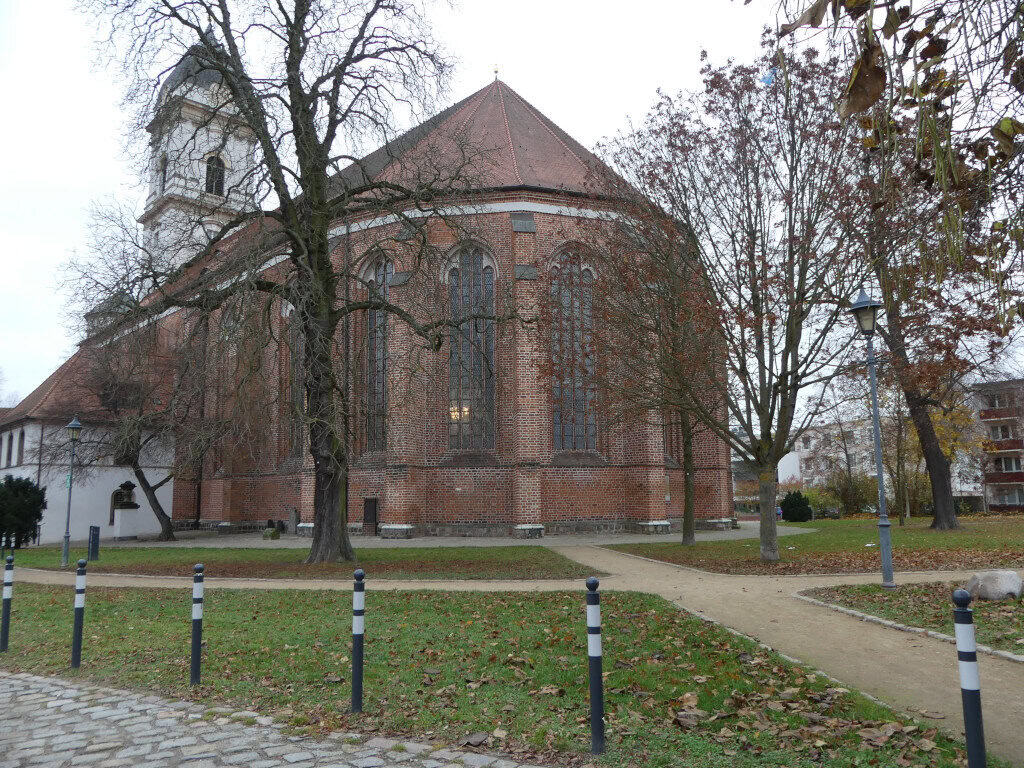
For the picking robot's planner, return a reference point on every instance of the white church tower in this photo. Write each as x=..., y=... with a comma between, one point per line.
x=202, y=159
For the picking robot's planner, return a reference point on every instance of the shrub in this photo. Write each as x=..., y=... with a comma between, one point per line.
x=21, y=508
x=824, y=503
x=795, y=508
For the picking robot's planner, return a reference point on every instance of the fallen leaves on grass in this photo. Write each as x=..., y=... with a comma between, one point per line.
x=505, y=670
x=999, y=624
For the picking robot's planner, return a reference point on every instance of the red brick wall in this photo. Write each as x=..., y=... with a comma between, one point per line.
x=418, y=480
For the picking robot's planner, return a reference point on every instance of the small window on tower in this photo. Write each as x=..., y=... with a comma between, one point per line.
x=163, y=173
x=215, y=175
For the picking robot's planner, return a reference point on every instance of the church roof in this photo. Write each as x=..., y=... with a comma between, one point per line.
x=501, y=141
x=58, y=397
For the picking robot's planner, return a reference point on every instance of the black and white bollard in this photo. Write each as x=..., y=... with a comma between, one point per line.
x=970, y=683
x=358, y=629
x=197, y=624
x=594, y=660
x=5, y=615
x=76, y=632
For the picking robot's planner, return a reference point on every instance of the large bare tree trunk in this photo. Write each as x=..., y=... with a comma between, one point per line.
x=328, y=448
x=330, y=504
x=166, y=528
x=689, y=531
x=767, y=490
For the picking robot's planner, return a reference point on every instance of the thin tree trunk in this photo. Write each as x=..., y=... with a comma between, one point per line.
x=166, y=528
x=767, y=490
x=935, y=462
x=689, y=528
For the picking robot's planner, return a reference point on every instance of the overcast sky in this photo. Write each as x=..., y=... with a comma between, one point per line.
x=587, y=65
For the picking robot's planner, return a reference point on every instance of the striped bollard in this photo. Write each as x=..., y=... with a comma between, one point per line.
x=76, y=632
x=970, y=684
x=5, y=617
x=358, y=629
x=594, y=660
x=197, y=624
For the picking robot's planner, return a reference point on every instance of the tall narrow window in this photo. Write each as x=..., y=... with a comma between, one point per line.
x=295, y=392
x=215, y=175
x=471, y=353
x=163, y=173
x=673, y=437
x=21, y=447
x=377, y=358
x=10, y=448
x=574, y=396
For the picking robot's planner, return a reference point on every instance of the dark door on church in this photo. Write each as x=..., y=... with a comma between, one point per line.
x=370, y=517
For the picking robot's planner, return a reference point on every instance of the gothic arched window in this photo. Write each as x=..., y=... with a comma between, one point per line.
x=21, y=447
x=10, y=448
x=377, y=357
x=574, y=397
x=471, y=352
x=215, y=175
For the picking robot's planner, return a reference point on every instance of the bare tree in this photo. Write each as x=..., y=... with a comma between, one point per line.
x=140, y=394
x=750, y=179
x=7, y=398
x=296, y=88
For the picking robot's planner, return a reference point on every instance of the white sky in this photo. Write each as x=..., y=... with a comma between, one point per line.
x=587, y=65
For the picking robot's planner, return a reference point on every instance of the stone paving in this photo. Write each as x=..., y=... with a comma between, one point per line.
x=50, y=723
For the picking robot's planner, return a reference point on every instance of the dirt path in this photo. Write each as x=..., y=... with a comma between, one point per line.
x=907, y=671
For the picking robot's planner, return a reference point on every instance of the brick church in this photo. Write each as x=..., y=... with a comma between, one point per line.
x=497, y=444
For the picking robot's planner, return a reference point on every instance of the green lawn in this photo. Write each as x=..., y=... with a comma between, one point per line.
x=512, y=562
x=440, y=666
x=845, y=546
x=999, y=624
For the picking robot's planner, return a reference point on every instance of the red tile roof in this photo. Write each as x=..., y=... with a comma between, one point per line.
x=510, y=145
x=60, y=396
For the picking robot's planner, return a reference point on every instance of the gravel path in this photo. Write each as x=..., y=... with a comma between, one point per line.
x=747, y=530
x=50, y=723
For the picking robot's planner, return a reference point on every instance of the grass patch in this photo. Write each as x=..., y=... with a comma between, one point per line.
x=512, y=562
x=851, y=546
x=998, y=623
x=680, y=691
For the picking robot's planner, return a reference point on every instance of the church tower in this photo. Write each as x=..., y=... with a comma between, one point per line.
x=201, y=165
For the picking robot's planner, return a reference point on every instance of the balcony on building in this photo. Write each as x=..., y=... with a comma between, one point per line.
x=1001, y=414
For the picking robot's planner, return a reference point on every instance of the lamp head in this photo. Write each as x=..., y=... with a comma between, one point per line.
x=865, y=312
x=74, y=429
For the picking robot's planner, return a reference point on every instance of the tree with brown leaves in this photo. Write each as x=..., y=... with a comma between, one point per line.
x=743, y=187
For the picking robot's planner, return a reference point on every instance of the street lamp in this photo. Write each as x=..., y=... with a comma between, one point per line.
x=74, y=429
x=865, y=311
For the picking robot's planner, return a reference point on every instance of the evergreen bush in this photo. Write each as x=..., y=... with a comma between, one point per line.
x=21, y=508
x=795, y=508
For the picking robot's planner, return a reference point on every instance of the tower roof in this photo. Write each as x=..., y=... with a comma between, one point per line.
x=500, y=140
x=190, y=68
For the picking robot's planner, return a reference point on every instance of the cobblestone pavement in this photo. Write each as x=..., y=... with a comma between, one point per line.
x=51, y=723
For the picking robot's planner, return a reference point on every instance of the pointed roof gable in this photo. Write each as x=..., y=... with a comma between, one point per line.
x=511, y=145
x=60, y=396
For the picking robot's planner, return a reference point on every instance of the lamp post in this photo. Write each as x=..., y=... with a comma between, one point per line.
x=74, y=429
x=865, y=311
